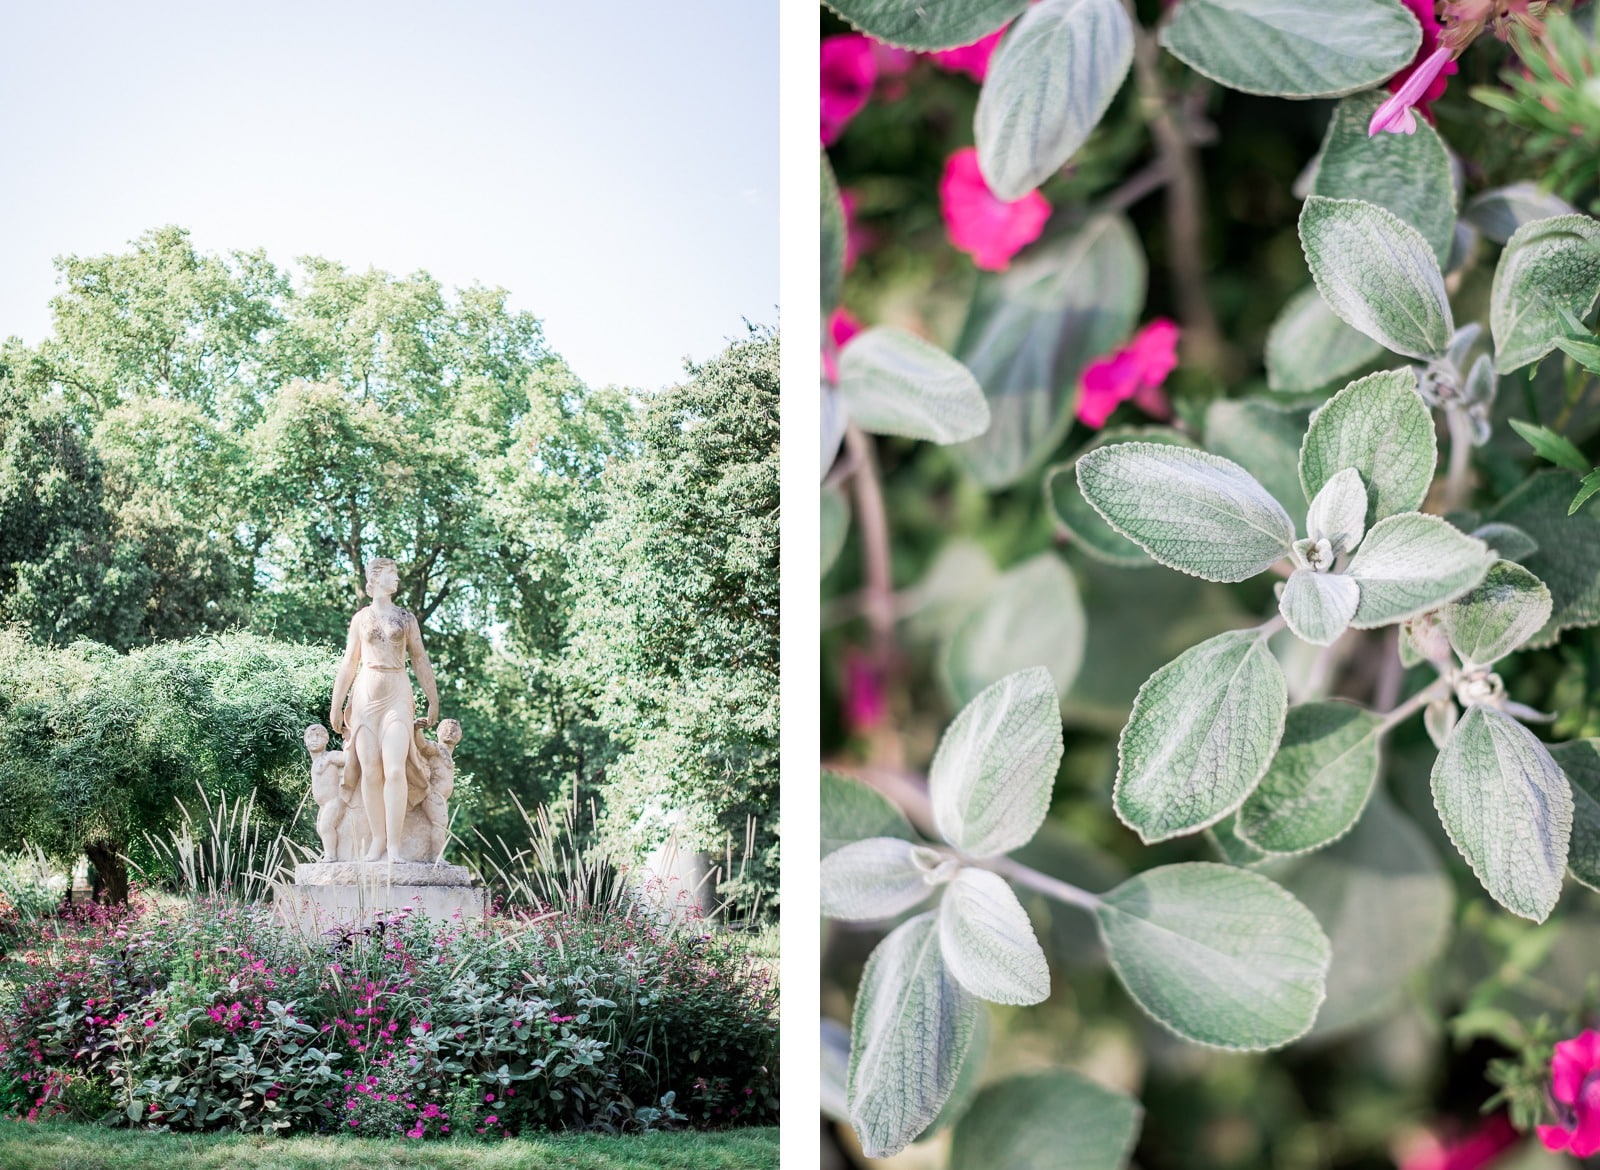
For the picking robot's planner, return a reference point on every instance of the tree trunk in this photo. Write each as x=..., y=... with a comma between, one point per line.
x=111, y=872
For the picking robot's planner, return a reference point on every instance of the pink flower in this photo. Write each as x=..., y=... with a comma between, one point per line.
x=864, y=704
x=841, y=328
x=1136, y=371
x=1575, y=1091
x=849, y=71
x=1477, y=1150
x=973, y=59
x=990, y=229
x=1395, y=115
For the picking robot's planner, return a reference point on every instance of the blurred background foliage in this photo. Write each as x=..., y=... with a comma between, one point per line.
x=1397, y=1072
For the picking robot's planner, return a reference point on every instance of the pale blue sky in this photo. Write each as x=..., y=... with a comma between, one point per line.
x=615, y=166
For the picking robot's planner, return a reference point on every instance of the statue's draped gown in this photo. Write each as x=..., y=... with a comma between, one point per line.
x=381, y=697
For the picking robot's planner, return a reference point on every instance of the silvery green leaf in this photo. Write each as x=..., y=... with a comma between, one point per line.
x=1338, y=512
x=988, y=942
x=1309, y=347
x=881, y=877
x=1319, y=781
x=1378, y=273
x=834, y=421
x=1548, y=265
x=1031, y=331
x=851, y=811
x=1507, y=808
x=1262, y=435
x=1318, y=606
x=1053, y=1120
x=961, y=576
x=1293, y=50
x=916, y=24
x=1439, y=719
x=1087, y=527
x=1500, y=212
x=909, y=1037
x=1224, y=838
x=967, y=1080
x=1049, y=83
x=1409, y=174
x=1386, y=904
x=991, y=779
x=1202, y=733
x=1030, y=617
x=833, y=240
x=894, y=383
x=1547, y=444
x=1499, y=614
x=834, y=523
x=835, y=1069
x=1380, y=426
x=1412, y=563
x=1190, y=510
x=1221, y=956
x=1481, y=383
x=1579, y=761
x=1568, y=559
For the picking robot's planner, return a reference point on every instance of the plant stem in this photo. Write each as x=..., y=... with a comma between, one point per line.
x=1151, y=177
x=877, y=602
x=1434, y=690
x=1041, y=882
x=1458, y=481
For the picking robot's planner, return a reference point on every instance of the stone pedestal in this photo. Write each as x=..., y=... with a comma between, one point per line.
x=329, y=895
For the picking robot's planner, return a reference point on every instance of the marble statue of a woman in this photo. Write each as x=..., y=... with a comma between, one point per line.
x=379, y=720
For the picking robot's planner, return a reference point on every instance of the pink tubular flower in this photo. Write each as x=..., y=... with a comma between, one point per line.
x=1477, y=1150
x=1395, y=115
x=989, y=229
x=849, y=71
x=1575, y=1089
x=973, y=59
x=841, y=328
x=865, y=705
x=1136, y=371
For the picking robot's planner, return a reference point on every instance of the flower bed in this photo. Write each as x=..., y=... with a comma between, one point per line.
x=201, y=1015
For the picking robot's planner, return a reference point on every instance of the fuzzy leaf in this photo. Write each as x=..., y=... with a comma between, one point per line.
x=1386, y=903
x=881, y=877
x=1548, y=445
x=1378, y=273
x=1583, y=350
x=1380, y=426
x=834, y=525
x=1338, y=513
x=1190, y=510
x=1219, y=955
x=1030, y=617
x=1590, y=485
x=833, y=423
x=1031, y=330
x=991, y=779
x=909, y=1037
x=833, y=240
x=1507, y=540
x=1318, y=606
x=1049, y=84
x=1087, y=527
x=1293, y=50
x=1409, y=174
x=1262, y=435
x=896, y=384
x=916, y=24
x=1319, y=781
x=1202, y=733
x=988, y=942
x=1579, y=761
x=1309, y=347
x=1499, y=614
x=1568, y=560
x=1055, y=1120
x=1547, y=266
x=1500, y=212
x=1412, y=563
x=851, y=811
x=1507, y=808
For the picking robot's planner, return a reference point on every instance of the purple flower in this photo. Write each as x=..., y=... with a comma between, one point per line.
x=1395, y=115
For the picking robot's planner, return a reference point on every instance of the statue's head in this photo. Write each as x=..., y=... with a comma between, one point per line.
x=450, y=732
x=383, y=576
x=316, y=737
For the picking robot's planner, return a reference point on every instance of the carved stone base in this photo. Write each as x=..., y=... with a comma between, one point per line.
x=332, y=895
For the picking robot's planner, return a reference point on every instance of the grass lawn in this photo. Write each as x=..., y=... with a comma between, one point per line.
x=59, y=1146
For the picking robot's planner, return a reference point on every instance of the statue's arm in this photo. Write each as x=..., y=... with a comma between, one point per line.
x=424, y=668
x=346, y=676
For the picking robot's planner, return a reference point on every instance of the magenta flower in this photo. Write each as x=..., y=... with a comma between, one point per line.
x=841, y=328
x=989, y=229
x=1136, y=372
x=865, y=703
x=973, y=59
x=1395, y=115
x=849, y=70
x=1575, y=1092
x=1479, y=1148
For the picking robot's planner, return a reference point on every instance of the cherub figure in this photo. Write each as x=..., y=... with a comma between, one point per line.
x=327, y=789
x=441, y=783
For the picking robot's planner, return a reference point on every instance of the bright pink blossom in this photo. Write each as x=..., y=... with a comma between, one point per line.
x=977, y=222
x=1477, y=1150
x=849, y=71
x=1136, y=371
x=865, y=703
x=841, y=328
x=1575, y=1090
x=973, y=59
x=1395, y=114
